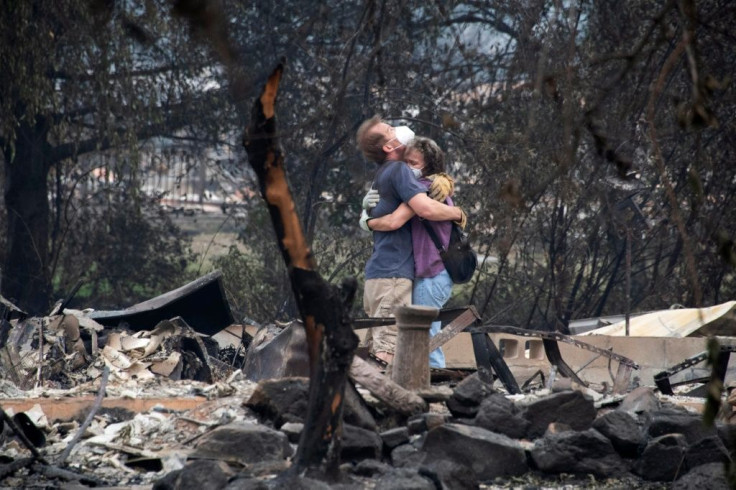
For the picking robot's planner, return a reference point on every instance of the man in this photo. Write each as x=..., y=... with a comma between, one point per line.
x=390, y=270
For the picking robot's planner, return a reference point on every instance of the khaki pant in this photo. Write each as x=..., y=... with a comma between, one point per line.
x=380, y=296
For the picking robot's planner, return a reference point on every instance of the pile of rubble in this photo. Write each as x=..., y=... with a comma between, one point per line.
x=165, y=406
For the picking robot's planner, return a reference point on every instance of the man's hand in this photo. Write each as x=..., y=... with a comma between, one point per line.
x=463, y=221
x=364, y=217
x=371, y=199
x=442, y=186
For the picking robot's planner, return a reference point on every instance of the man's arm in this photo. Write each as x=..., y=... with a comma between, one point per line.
x=393, y=221
x=428, y=208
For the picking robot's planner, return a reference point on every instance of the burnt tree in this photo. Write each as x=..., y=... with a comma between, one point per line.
x=330, y=338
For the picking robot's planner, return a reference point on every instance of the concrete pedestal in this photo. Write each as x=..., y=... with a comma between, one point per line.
x=410, y=368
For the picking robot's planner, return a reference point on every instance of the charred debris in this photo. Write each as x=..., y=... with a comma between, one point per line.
x=164, y=394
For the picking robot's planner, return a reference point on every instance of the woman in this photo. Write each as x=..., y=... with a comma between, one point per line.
x=432, y=284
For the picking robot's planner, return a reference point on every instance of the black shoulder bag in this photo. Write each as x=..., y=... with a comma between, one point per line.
x=459, y=258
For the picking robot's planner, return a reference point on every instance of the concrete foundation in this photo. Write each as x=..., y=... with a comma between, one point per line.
x=525, y=356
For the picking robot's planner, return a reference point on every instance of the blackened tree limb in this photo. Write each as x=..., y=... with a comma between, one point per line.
x=331, y=341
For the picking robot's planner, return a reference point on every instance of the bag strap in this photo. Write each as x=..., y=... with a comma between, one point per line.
x=433, y=236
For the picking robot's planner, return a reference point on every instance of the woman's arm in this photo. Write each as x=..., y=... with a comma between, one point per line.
x=392, y=221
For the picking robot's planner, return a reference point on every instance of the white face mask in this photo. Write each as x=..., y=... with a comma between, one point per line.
x=404, y=134
x=417, y=172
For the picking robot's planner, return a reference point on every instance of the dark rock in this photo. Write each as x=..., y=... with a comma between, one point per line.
x=370, y=468
x=727, y=434
x=711, y=476
x=640, y=400
x=488, y=454
x=355, y=410
x=675, y=421
x=197, y=475
x=246, y=482
x=570, y=407
x=404, y=479
x=468, y=395
x=424, y=422
x=707, y=450
x=293, y=431
x=395, y=437
x=358, y=443
x=577, y=452
x=245, y=444
x=623, y=431
x=451, y=475
x=662, y=459
x=287, y=481
x=499, y=414
x=280, y=400
x=406, y=455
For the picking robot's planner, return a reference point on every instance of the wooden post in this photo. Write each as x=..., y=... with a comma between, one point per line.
x=411, y=362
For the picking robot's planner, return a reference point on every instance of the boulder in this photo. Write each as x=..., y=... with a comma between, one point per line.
x=407, y=455
x=487, y=454
x=197, y=475
x=584, y=452
x=568, y=407
x=423, y=422
x=468, y=395
x=499, y=414
x=677, y=421
x=370, y=468
x=246, y=444
x=395, y=437
x=623, y=431
x=711, y=476
x=450, y=475
x=280, y=400
x=358, y=443
x=707, y=450
x=663, y=458
x=405, y=479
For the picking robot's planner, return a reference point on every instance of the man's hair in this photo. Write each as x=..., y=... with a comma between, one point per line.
x=371, y=143
x=434, y=157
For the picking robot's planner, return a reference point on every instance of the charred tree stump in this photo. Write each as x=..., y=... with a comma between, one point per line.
x=331, y=341
x=411, y=363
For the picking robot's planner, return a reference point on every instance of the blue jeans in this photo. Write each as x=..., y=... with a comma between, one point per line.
x=433, y=291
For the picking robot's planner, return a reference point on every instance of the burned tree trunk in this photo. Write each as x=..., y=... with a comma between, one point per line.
x=331, y=341
x=25, y=273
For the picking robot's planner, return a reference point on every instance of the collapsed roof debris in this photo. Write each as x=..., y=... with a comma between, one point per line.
x=201, y=304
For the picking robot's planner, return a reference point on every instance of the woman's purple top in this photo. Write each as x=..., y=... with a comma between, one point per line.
x=427, y=262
